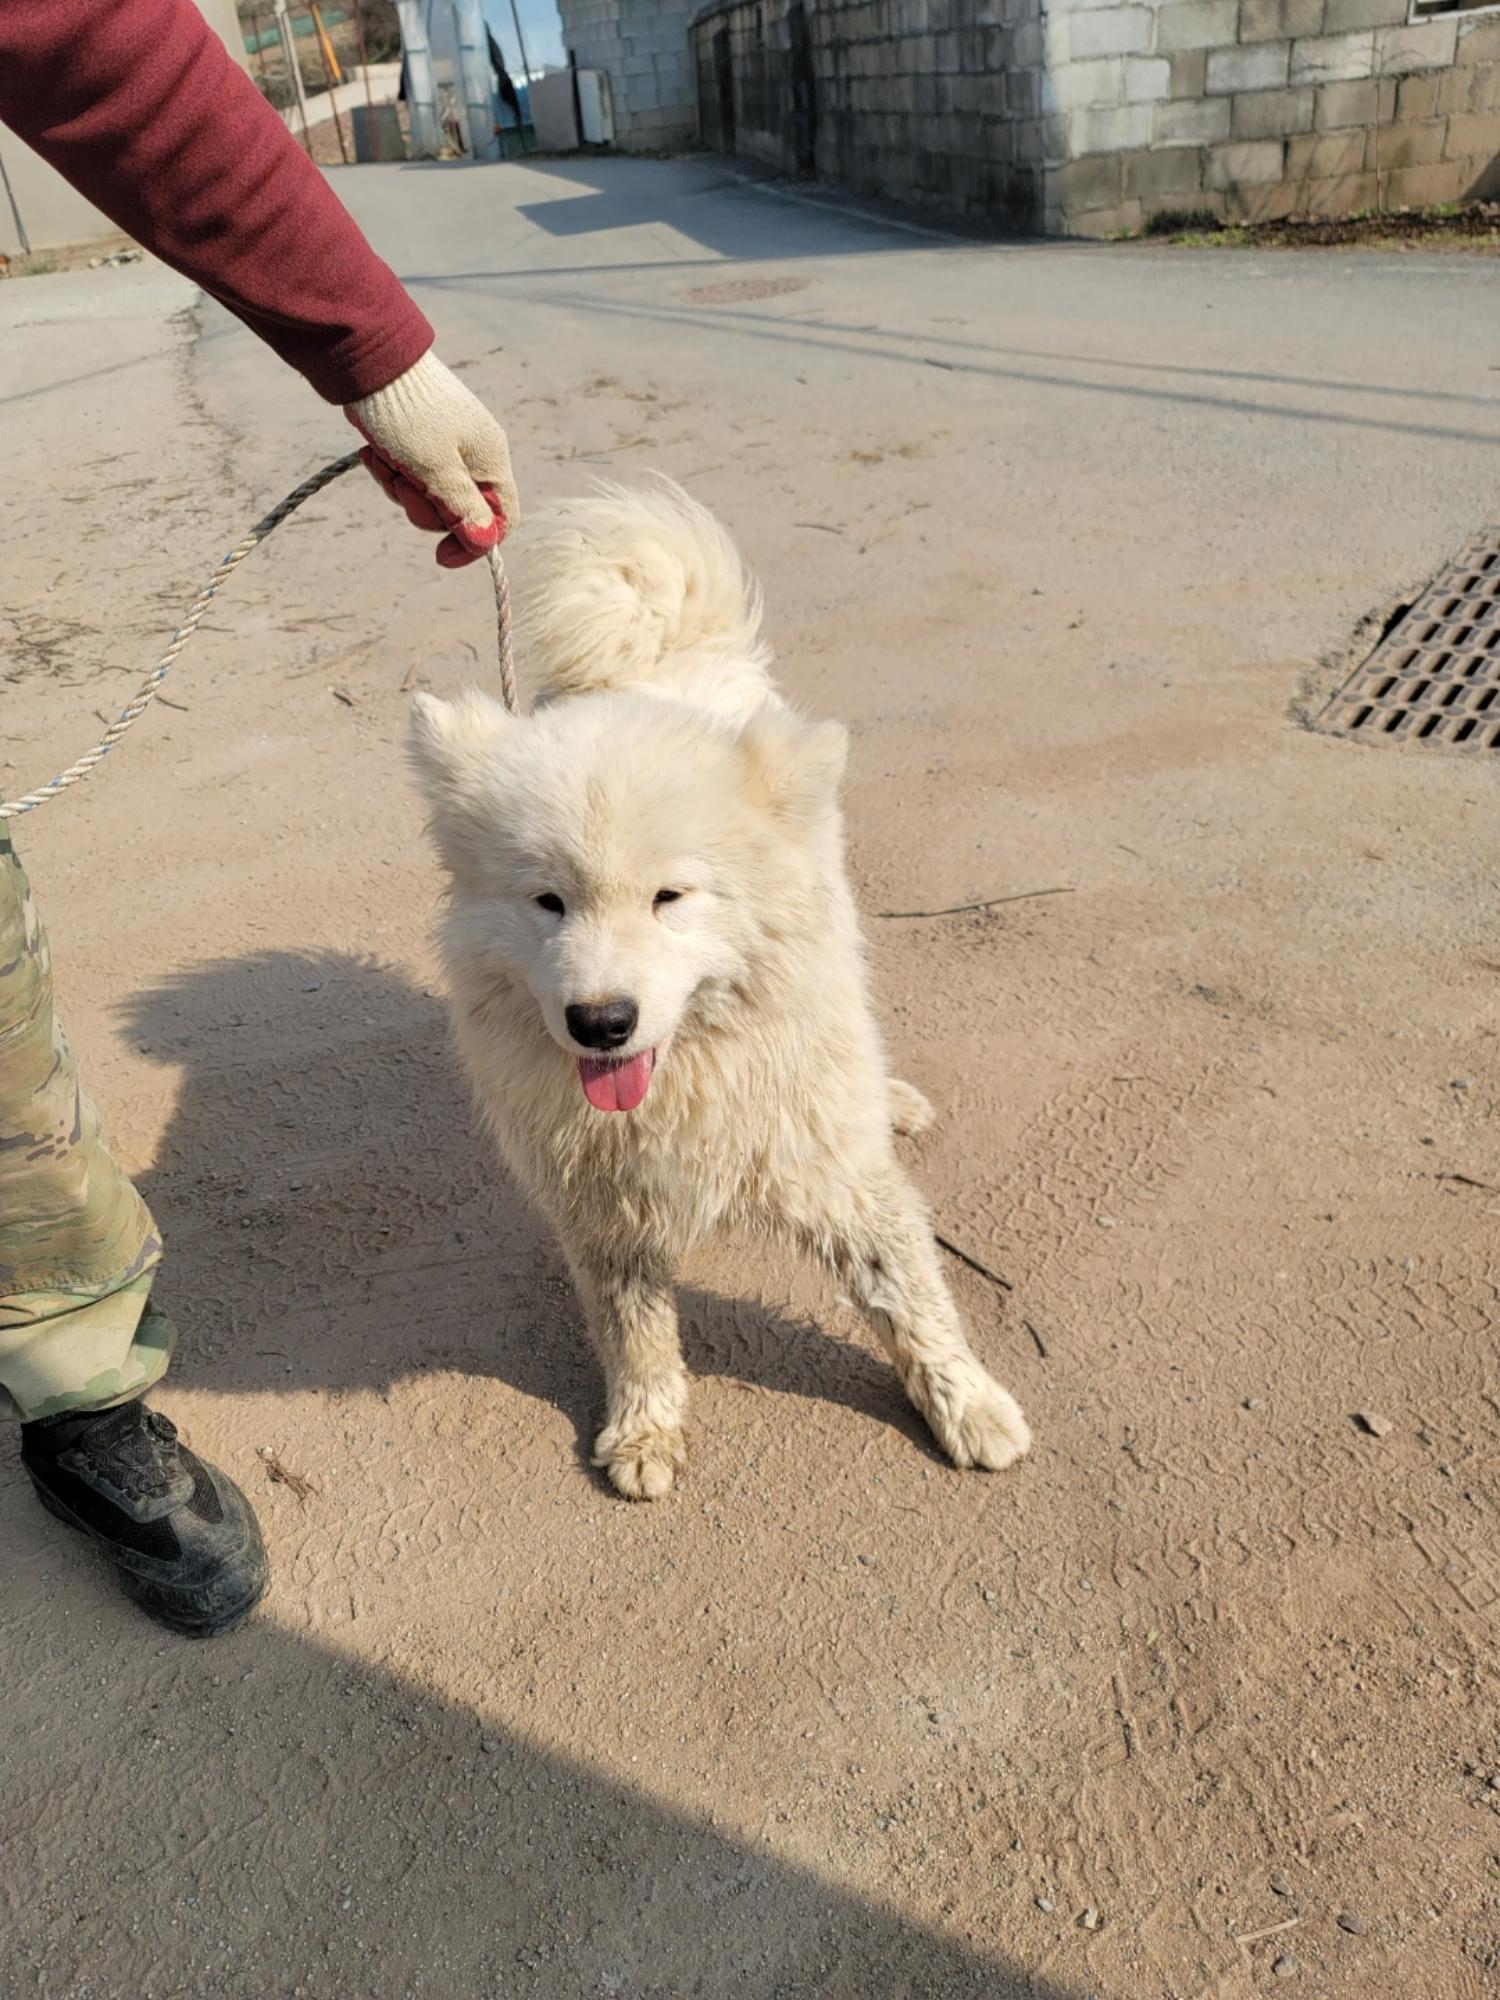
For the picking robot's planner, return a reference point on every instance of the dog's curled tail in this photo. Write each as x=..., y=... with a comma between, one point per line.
x=639, y=588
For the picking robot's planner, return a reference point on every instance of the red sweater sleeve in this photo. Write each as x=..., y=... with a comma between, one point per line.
x=139, y=104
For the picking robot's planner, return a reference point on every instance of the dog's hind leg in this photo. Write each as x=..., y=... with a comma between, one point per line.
x=879, y=1241
x=632, y=1321
x=911, y=1113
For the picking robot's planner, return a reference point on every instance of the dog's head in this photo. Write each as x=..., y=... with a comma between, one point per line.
x=633, y=862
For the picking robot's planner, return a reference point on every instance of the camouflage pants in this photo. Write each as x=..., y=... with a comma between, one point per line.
x=77, y=1243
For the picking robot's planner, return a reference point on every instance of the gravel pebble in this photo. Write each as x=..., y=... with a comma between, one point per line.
x=1285, y=1966
x=1377, y=1426
x=1348, y=1921
x=1043, y=1903
x=1280, y=1886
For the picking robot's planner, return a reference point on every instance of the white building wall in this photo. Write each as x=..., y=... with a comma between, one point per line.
x=642, y=45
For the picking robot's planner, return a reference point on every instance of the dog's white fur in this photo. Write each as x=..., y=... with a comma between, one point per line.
x=660, y=756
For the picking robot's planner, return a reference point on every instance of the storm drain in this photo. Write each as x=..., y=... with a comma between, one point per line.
x=1435, y=676
x=736, y=291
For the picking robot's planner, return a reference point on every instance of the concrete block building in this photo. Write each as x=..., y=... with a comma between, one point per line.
x=642, y=47
x=1072, y=116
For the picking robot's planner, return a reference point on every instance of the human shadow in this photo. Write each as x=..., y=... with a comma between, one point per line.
x=265, y=1816
x=334, y=1220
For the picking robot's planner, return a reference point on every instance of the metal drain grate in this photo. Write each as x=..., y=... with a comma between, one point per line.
x=1435, y=676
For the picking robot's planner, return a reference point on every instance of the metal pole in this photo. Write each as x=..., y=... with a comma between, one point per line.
x=474, y=79
x=332, y=75
x=364, y=63
x=260, y=48
x=15, y=212
x=521, y=44
x=421, y=88
x=289, y=49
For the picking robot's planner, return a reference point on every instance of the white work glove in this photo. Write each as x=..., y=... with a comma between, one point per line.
x=437, y=451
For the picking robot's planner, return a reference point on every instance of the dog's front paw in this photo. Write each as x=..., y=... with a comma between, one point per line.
x=975, y=1421
x=642, y=1464
x=911, y=1113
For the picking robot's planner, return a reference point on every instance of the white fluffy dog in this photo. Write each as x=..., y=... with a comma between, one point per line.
x=658, y=983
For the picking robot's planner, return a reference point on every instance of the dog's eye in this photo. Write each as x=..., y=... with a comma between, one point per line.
x=665, y=896
x=552, y=904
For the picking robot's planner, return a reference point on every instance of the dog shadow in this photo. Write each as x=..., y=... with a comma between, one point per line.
x=335, y=1220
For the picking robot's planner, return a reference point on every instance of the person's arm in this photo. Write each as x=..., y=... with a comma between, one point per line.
x=141, y=107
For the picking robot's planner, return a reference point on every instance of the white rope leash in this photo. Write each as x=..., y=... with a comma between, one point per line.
x=146, y=693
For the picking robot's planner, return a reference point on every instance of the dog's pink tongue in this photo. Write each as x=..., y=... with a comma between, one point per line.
x=616, y=1086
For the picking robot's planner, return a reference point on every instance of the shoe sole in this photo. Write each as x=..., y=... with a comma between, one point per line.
x=138, y=1591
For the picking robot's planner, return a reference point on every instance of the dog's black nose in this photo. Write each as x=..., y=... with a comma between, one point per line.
x=602, y=1024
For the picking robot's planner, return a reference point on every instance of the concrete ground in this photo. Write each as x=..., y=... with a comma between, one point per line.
x=1200, y=1700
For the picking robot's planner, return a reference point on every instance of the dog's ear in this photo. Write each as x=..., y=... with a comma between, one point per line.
x=451, y=743
x=451, y=750
x=798, y=764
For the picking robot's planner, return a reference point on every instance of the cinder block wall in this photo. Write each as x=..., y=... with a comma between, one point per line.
x=1089, y=118
x=936, y=100
x=1255, y=109
x=642, y=45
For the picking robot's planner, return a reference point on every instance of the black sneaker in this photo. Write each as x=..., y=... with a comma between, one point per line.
x=182, y=1538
